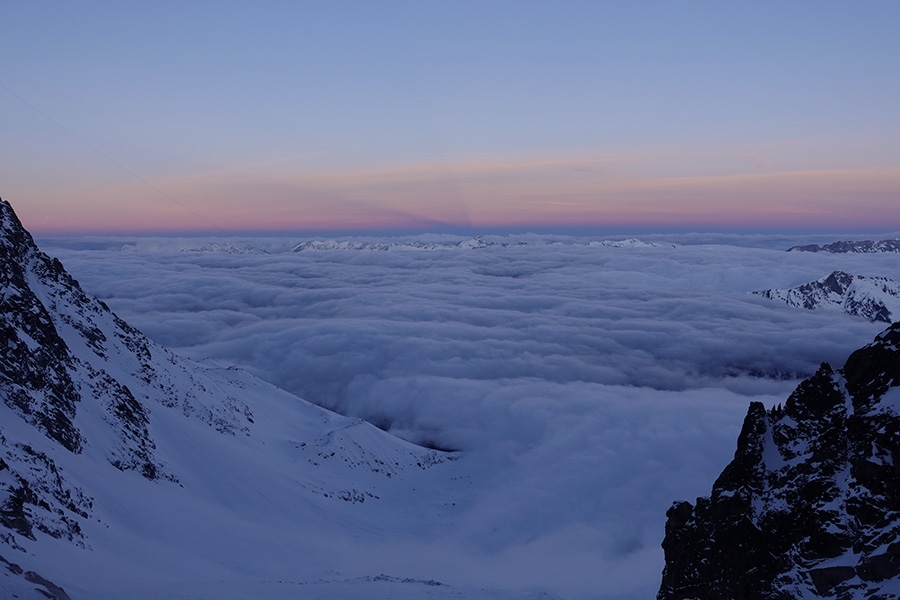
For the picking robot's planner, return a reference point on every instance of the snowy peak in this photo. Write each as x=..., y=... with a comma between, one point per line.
x=629, y=243
x=875, y=298
x=225, y=248
x=810, y=505
x=864, y=246
x=412, y=245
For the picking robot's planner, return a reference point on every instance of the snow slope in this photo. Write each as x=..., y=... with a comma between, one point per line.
x=126, y=471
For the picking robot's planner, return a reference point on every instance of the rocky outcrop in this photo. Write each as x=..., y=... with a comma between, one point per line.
x=875, y=298
x=34, y=360
x=810, y=505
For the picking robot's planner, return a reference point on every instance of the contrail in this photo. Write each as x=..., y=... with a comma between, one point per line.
x=110, y=159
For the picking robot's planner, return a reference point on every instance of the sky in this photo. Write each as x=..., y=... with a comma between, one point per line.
x=425, y=116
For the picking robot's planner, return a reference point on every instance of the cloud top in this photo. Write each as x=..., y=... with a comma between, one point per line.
x=593, y=384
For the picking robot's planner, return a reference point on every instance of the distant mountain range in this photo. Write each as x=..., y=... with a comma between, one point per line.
x=843, y=247
x=810, y=505
x=474, y=243
x=875, y=298
x=227, y=248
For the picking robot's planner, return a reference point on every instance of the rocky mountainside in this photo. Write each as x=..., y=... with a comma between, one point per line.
x=868, y=246
x=106, y=439
x=67, y=365
x=810, y=505
x=875, y=298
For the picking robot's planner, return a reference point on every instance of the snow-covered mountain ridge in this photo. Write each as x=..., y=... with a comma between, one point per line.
x=875, y=298
x=810, y=505
x=865, y=246
x=114, y=451
x=224, y=248
x=474, y=243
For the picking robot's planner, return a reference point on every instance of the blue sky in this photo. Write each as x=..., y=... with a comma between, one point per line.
x=380, y=115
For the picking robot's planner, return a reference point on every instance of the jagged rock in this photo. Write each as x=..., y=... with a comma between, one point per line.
x=867, y=246
x=810, y=505
x=34, y=495
x=875, y=298
x=34, y=360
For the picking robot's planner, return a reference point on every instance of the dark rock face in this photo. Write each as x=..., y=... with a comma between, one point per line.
x=858, y=246
x=41, y=377
x=34, y=359
x=810, y=505
x=34, y=495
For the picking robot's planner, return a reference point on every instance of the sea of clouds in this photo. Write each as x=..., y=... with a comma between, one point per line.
x=594, y=384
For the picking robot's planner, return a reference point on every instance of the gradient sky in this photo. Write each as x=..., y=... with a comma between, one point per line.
x=419, y=116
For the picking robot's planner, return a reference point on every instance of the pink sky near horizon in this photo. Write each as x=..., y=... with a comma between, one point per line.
x=640, y=193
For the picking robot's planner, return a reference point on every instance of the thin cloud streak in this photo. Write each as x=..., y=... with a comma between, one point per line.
x=726, y=189
x=562, y=193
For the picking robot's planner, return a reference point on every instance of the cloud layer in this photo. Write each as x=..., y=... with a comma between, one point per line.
x=595, y=384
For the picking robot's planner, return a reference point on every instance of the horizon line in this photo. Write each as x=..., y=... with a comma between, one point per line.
x=573, y=231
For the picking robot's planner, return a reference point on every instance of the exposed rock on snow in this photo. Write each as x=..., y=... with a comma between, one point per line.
x=860, y=246
x=35, y=497
x=810, y=505
x=875, y=298
x=27, y=585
